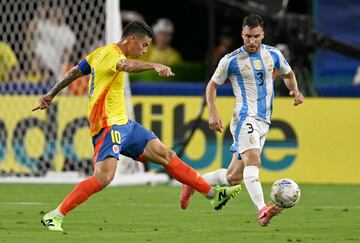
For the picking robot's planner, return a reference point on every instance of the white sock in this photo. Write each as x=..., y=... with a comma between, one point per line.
x=253, y=186
x=217, y=177
x=57, y=213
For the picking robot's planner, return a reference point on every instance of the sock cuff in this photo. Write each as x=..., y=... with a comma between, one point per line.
x=95, y=183
x=173, y=163
x=251, y=171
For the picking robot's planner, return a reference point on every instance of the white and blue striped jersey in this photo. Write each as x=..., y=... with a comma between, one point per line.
x=251, y=76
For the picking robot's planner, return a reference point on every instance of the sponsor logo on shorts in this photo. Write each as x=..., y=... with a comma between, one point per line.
x=252, y=139
x=116, y=148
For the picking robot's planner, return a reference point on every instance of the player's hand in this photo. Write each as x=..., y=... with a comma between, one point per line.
x=44, y=102
x=298, y=97
x=163, y=70
x=215, y=122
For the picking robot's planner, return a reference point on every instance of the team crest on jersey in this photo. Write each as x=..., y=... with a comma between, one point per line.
x=257, y=64
x=116, y=149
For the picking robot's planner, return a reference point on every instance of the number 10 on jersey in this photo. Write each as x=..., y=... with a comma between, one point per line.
x=115, y=136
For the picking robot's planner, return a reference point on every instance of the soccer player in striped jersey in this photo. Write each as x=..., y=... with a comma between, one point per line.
x=250, y=71
x=112, y=132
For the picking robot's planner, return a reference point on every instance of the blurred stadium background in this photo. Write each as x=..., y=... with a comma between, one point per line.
x=315, y=144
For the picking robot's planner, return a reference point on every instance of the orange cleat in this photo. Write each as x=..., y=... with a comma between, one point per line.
x=186, y=193
x=266, y=213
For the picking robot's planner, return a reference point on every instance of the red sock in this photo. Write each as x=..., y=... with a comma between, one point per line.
x=187, y=175
x=80, y=194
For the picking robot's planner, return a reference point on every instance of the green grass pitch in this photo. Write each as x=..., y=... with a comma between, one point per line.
x=325, y=213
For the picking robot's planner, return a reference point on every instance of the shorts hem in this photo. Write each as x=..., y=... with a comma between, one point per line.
x=113, y=156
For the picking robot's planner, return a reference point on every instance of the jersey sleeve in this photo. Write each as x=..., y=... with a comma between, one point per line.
x=221, y=72
x=89, y=57
x=105, y=57
x=112, y=58
x=281, y=65
x=116, y=59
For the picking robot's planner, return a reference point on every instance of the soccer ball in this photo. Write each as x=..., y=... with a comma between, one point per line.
x=285, y=193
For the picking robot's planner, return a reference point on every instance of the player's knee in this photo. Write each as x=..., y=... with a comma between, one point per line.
x=169, y=154
x=253, y=163
x=105, y=178
x=252, y=160
x=166, y=155
x=234, y=179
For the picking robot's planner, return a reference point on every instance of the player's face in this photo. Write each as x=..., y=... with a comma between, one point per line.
x=252, y=38
x=139, y=46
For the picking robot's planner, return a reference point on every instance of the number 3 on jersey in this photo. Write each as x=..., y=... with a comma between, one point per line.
x=115, y=137
x=260, y=77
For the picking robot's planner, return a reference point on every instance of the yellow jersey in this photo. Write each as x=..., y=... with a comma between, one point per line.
x=106, y=105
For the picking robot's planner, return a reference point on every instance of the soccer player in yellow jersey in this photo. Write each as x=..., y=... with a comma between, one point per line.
x=112, y=132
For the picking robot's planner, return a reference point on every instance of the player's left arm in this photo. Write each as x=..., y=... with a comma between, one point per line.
x=45, y=100
x=291, y=84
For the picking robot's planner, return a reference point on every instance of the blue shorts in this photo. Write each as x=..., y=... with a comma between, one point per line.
x=129, y=139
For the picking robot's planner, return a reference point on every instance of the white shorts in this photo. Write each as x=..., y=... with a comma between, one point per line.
x=248, y=133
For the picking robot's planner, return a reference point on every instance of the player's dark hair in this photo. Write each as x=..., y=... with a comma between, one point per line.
x=253, y=21
x=138, y=28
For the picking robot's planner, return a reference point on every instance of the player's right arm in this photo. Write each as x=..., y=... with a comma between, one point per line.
x=45, y=100
x=135, y=66
x=215, y=122
x=218, y=78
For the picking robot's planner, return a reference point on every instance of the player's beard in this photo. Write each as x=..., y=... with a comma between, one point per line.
x=252, y=48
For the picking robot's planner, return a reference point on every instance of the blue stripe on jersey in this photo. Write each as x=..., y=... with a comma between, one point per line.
x=271, y=103
x=276, y=59
x=84, y=67
x=262, y=112
x=244, y=108
x=260, y=82
x=92, y=86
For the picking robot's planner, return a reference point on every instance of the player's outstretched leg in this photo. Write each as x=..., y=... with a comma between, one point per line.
x=156, y=151
x=187, y=175
x=104, y=172
x=52, y=222
x=185, y=196
x=218, y=177
x=266, y=213
x=223, y=195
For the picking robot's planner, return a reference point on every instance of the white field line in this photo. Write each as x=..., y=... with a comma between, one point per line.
x=173, y=205
x=22, y=203
x=336, y=207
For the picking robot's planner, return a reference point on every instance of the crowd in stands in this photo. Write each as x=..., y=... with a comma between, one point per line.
x=50, y=42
